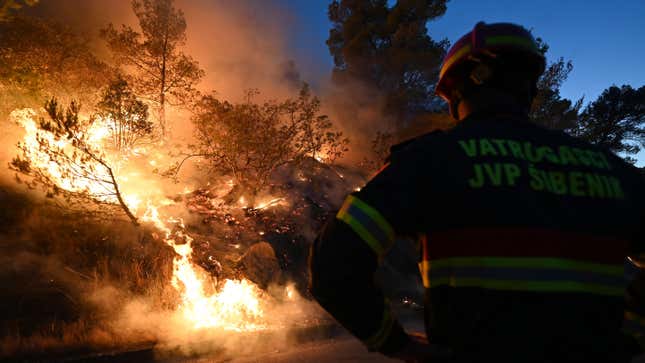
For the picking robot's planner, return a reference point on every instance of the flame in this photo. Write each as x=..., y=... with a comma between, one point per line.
x=235, y=306
x=73, y=177
x=290, y=291
x=270, y=203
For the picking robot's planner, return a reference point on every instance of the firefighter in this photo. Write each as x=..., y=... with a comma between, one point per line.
x=524, y=231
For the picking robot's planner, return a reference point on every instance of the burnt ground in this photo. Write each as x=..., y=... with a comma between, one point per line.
x=326, y=342
x=53, y=262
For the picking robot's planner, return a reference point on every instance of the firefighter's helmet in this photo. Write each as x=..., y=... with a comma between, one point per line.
x=501, y=43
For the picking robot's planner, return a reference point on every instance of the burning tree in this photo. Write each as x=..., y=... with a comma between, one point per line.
x=126, y=116
x=249, y=140
x=61, y=154
x=164, y=75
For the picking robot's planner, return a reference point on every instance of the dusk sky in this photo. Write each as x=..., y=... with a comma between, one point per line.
x=604, y=40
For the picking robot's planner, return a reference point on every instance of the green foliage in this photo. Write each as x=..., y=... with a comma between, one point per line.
x=250, y=140
x=67, y=163
x=39, y=58
x=615, y=120
x=126, y=116
x=389, y=50
x=164, y=74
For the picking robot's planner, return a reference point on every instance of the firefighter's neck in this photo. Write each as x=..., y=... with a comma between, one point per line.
x=491, y=102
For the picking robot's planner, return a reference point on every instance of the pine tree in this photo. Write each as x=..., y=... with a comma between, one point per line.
x=164, y=74
x=615, y=120
x=388, y=49
x=549, y=109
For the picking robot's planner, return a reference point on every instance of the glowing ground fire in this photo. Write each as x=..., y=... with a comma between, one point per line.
x=235, y=306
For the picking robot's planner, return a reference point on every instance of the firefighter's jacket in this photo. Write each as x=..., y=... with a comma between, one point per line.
x=524, y=231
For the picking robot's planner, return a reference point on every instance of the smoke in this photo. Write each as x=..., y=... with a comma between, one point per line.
x=360, y=110
x=287, y=318
x=240, y=45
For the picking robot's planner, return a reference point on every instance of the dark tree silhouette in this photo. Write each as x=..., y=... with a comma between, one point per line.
x=615, y=120
x=549, y=109
x=388, y=49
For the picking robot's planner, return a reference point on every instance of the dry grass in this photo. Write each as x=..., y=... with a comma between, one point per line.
x=65, y=339
x=64, y=278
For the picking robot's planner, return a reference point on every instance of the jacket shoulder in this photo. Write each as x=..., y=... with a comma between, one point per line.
x=414, y=144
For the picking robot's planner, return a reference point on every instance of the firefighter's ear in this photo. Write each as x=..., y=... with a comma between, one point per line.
x=481, y=73
x=453, y=105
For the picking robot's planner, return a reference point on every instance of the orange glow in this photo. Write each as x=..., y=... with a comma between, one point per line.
x=236, y=305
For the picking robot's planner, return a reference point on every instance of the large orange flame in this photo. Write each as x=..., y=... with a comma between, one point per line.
x=235, y=306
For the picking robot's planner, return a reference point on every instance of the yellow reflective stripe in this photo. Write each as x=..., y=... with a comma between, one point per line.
x=529, y=262
x=524, y=285
x=455, y=57
x=424, y=268
x=511, y=39
x=374, y=214
x=376, y=340
x=379, y=225
x=366, y=236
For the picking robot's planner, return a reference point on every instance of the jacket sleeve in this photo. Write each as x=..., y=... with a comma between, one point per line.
x=342, y=270
x=346, y=254
x=634, y=320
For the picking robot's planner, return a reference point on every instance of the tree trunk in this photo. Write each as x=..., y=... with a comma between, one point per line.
x=162, y=91
x=124, y=206
x=162, y=114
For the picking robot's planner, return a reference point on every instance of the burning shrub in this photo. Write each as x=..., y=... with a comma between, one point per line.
x=63, y=155
x=249, y=140
x=126, y=116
